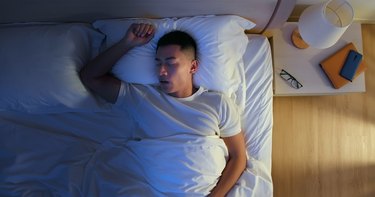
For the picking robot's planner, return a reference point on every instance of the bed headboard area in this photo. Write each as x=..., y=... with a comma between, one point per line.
x=265, y=13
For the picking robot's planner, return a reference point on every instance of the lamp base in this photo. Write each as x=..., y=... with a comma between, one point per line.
x=297, y=40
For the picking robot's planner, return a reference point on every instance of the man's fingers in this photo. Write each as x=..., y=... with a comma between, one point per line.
x=149, y=30
x=139, y=34
x=142, y=30
x=136, y=28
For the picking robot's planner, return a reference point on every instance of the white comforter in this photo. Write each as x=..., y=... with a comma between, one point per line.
x=173, y=166
x=65, y=156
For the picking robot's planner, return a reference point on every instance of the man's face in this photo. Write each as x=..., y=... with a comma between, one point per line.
x=175, y=70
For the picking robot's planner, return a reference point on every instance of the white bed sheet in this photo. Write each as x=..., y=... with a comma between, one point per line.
x=257, y=118
x=50, y=155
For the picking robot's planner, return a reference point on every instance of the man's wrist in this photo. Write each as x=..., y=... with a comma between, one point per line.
x=126, y=45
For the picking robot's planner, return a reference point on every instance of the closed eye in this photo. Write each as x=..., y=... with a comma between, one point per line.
x=157, y=62
x=169, y=64
x=170, y=61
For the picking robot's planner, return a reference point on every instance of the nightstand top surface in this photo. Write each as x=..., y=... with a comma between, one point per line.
x=303, y=64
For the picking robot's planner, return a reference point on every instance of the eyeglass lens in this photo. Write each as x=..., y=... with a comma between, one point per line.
x=292, y=81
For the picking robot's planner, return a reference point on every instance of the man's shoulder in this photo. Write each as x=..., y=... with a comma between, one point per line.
x=220, y=98
x=213, y=92
x=141, y=86
x=215, y=96
x=132, y=89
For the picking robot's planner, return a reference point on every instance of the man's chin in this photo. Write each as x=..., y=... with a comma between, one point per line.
x=165, y=88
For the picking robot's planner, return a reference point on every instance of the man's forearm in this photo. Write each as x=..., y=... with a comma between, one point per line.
x=95, y=75
x=229, y=177
x=235, y=165
x=103, y=63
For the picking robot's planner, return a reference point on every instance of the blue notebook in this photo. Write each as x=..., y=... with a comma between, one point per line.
x=351, y=64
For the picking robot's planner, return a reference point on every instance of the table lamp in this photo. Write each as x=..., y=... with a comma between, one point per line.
x=321, y=25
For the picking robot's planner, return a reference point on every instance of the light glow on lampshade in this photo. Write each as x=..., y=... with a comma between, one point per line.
x=322, y=25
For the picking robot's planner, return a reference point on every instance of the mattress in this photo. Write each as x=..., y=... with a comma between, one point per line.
x=58, y=154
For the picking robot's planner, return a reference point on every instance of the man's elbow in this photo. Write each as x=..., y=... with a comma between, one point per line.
x=86, y=80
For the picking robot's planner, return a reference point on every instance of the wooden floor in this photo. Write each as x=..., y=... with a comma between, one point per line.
x=324, y=146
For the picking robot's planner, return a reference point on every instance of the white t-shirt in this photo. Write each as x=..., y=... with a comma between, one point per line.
x=156, y=114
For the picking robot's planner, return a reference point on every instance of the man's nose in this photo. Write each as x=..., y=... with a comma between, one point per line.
x=162, y=70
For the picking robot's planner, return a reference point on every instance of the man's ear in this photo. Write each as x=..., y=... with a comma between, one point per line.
x=194, y=66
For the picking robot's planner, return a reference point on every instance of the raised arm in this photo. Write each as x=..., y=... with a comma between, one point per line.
x=96, y=74
x=235, y=165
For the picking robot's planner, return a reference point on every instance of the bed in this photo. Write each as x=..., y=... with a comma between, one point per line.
x=58, y=139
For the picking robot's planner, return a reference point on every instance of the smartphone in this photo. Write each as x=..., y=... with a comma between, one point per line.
x=351, y=64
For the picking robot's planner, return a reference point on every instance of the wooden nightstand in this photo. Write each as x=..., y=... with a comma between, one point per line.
x=303, y=64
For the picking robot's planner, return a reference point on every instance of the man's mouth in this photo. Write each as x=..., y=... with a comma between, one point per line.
x=163, y=82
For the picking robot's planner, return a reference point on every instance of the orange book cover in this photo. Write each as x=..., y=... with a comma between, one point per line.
x=333, y=64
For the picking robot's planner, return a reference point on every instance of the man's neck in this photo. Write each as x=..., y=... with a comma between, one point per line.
x=184, y=94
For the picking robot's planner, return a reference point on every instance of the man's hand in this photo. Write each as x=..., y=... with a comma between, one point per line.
x=138, y=34
x=95, y=75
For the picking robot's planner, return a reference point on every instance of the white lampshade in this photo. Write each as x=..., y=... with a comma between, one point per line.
x=322, y=25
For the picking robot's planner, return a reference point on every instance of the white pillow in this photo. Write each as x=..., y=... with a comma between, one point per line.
x=40, y=64
x=138, y=65
x=221, y=45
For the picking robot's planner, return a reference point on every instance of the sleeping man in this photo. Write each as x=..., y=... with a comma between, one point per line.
x=174, y=106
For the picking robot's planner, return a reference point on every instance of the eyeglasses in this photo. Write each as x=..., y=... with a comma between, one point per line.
x=289, y=78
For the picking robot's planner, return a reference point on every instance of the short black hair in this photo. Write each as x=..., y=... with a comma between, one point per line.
x=180, y=38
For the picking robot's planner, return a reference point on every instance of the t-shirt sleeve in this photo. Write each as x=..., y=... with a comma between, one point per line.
x=121, y=94
x=230, y=123
x=130, y=95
